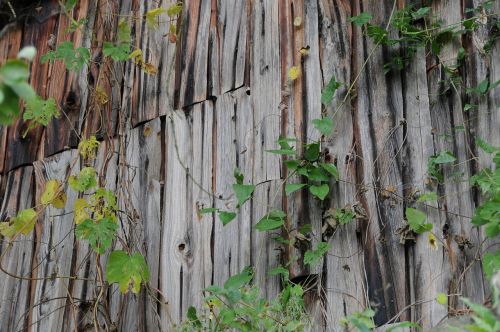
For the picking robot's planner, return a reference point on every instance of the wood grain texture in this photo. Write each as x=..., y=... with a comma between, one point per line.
x=220, y=99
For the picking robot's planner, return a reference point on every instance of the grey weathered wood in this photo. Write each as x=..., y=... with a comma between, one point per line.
x=15, y=300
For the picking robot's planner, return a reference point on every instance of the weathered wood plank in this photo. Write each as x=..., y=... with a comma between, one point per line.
x=212, y=50
x=186, y=258
x=379, y=135
x=54, y=248
x=16, y=256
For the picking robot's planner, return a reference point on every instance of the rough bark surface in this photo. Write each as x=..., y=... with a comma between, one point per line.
x=222, y=97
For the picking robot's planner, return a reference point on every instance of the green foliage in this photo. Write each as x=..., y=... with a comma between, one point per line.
x=238, y=306
x=361, y=19
x=73, y=58
x=120, y=50
x=319, y=191
x=127, y=271
x=434, y=163
x=491, y=263
x=485, y=319
x=22, y=223
x=243, y=192
x=87, y=147
x=488, y=213
x=40, y=112
x=324, y=125
x=293, y=187
x=416, y=220
x=329, y=91
x=226, y=217
x=271, y=221
x=14, y=86
x=84, y=181
x=313, y=257
x=363, y=321
x=54, y=194
x=99, y=235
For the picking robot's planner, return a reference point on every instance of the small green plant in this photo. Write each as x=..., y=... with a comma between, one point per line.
x=238, y=305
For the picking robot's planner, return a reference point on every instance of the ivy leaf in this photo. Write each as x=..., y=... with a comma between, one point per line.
x=330, y=168
x=99, y=235
x=361, y=19
x=84, y=181
x=421, y=12
x=208, y=210
x=271, y=221
x=280, y=270
x=243, y=192
x=486, y=147
x=116, y=52
x=226, y=217
x=193, y=317
x=54, y=194
x=22, y=223
x=329, y=90
x=416, y=221
x=312, y=257
x=312, y=152
x=445, y=157
x=316, y=174
x=239, y=280
x=292, y=187
x=40, y=112
x=72, y=58
x=127, y=270
x=320, y=191
x=324, y=125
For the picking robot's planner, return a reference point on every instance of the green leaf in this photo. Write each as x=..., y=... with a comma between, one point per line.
x=329, y=90
x=312, y=152
x=486, y=147
x=315, y=174
x=292, y=187
x=239, y=280
x=13, y=72
x=331, y=168
x=421, y=12
x=22, y=223
x=74, y=59
x=361, y=19
x=320, y=191
x=280, y=270
x=483, y=86
x=312, y=257
x=40, y=112
x=444, y=157
x=193, y=317
x=416, y=221
x=271, y=221
x=491, y=263
x=243, y=192
x=324, y=125
x=428, y=197
x=153, y=15
x=127, y=271
x=226, y=217
x=116, y=52
x=99, y=235
x=84, y=181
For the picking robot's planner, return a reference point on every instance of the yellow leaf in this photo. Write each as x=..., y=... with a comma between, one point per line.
x=87, y=147
x=293, y=73
x=174, y=10
x=136, y=56
x=432, y=241
x=22, y=223
x=442, y=298
x=150, y=69
x=101, y=96
x=152, y=17
x=54, y=194
x=297, y=21
x=80, y=213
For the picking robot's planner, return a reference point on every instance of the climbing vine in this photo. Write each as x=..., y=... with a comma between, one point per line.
x=238, y=303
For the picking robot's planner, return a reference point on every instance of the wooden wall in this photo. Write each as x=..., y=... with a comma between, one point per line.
x=221, y=97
